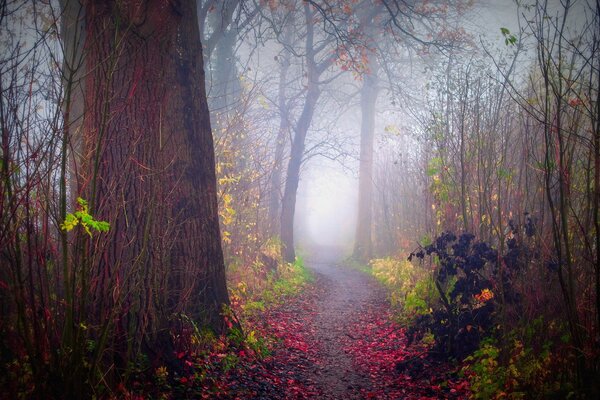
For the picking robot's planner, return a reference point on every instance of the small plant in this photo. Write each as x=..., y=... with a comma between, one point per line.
x=412, y=291
x=526, y=373
x=83, y=218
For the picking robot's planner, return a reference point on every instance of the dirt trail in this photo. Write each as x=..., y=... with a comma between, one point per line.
x=336, y=340
x=346, y=294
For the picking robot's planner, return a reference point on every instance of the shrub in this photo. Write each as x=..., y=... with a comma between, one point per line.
x=412, y=292
x=465, y=314
x=526, y=374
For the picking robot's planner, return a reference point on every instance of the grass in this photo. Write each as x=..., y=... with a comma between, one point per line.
x=290, y=281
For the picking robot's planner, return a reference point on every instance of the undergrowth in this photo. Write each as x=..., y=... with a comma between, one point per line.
x=411, y=288
x=453, y=299
x=206, y=361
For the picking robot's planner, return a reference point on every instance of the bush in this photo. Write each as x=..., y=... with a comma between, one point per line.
x=412, y=292
x=527, y=374
x=465, y=314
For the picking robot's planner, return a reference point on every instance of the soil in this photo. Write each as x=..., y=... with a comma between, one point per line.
x=345, y=296
x=337, y=340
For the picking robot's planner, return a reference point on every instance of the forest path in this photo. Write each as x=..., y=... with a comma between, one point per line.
x=345, y=296
x=336, y=340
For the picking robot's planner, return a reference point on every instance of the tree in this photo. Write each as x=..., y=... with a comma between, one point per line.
x=363, y=246
x=147, y=168
x=336, y=43
x=314, y=70
x=428, y=29
x=149, y=162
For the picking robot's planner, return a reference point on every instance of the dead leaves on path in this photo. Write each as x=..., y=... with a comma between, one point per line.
x=395, y=371
x=385, y=368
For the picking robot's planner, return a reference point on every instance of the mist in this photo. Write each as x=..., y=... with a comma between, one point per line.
x=327, y=206
x=301, y=199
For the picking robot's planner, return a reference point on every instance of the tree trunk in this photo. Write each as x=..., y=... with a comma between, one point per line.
x=363, y=247
x=149, y=170
x=226, y=88
x=288, y=203
x=282, y=139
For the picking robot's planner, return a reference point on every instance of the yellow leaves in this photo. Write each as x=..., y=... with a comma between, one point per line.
x=161, y=373
x=245, y=83
x=228, y=180
x=263, y=102
x=393, y=129
x=84, y=218
x=226, y=212
x=251, y=338
x=226, y=236
x=242, y=287
x=70, y=222
x=486, y=220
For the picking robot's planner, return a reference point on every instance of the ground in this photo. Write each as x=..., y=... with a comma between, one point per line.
x=337, y=340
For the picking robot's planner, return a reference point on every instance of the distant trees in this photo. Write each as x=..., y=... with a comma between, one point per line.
x=388, y=29
x=368, y=99
x=317, y=59
x=105, y=123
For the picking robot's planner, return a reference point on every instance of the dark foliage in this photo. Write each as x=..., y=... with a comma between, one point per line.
x=465, y=288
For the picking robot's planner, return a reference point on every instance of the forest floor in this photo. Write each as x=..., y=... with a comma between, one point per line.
x=336, y=340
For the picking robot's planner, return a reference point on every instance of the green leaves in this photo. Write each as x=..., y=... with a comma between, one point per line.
x=509, y=38
x=82, y=217
x=435, y=166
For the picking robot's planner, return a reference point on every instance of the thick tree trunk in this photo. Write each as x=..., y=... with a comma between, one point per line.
x=149, y=170
x=363, y=247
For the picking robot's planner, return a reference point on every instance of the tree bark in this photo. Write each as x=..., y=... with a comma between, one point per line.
x=149, y=170
x=313, y=92
x=281, y=140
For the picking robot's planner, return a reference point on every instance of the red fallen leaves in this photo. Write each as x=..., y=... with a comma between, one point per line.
x=387, y=368
x=379, y=349
x=286, y=373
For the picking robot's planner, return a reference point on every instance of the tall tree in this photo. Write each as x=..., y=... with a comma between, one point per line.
x=148, y=169
x=315, y=67
x=363, y=246
x=282, y=134
x=368, y=99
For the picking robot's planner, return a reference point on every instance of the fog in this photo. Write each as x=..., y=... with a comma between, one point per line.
x=326, y=215
x=328, y=193
x=167, y=166
x=281, y=62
